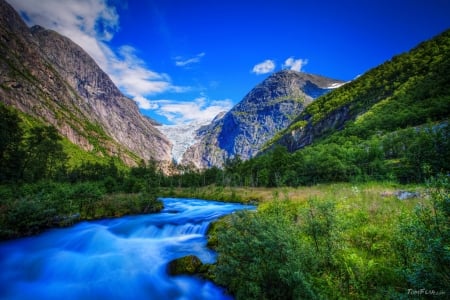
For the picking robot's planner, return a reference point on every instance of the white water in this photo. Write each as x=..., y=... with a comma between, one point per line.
x=123, y=258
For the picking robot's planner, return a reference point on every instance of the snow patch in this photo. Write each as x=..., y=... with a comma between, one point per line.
x=336, y=85
x=182, y=136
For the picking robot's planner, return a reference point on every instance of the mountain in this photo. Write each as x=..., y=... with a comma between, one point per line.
x=391, y=123
x=49, y=77
x=182, y=137
x=409, y=90
x=265, y=110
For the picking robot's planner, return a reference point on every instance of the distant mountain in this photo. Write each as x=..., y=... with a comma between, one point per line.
x=411, y=89
x=49, y=77
x=265, y=110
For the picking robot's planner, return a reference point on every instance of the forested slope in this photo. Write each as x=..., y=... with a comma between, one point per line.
x=409, y=90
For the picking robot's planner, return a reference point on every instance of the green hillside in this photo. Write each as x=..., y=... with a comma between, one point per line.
x=389, y=124
x=409, y=90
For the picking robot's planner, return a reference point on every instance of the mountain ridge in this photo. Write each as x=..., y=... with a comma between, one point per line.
x=265, y=110
x=413, y=81
x=49, y=77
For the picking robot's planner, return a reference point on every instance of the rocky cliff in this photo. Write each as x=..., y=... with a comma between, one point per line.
x=49, y=77
x=264, y=111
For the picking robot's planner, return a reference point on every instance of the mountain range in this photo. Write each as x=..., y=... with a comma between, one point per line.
x=266, y=109
x=48, y=77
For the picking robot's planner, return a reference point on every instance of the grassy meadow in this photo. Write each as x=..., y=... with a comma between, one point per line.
x=332, y=241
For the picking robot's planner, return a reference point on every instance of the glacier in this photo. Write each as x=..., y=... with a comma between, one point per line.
x=182, y=136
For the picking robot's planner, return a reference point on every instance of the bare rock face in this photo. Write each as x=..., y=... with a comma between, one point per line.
x=48, y=76
x=265, y=110
x=304, y=136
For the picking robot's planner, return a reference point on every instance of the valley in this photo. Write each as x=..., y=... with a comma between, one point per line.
x=326, y=163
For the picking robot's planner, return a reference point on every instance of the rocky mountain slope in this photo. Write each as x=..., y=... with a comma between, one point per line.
x=49, y=77
x=409, y=90
x=265, y=110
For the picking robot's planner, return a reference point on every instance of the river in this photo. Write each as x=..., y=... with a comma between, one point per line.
x=123, y=258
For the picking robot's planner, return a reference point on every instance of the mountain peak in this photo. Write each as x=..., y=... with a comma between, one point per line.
x=268, y=108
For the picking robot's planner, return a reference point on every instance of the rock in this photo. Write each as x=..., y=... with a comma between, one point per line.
x=401, y=195
x=304, y=136
x=404, y=195
x=188, y=265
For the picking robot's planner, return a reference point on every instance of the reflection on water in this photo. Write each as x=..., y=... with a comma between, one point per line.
x=123, y=258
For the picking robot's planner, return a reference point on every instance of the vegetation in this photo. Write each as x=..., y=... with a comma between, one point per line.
x=414, y=85
x=30, y=208
x=39, y=189
x=338, y=242
x=349, y=240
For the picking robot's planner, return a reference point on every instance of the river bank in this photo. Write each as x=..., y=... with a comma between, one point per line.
x=29, y=209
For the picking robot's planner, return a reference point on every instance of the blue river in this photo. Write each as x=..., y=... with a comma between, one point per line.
x=123, y=258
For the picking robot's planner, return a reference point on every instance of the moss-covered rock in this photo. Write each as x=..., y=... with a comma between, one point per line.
x=190, y=265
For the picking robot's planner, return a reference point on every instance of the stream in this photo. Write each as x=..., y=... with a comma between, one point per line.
x=123, y=258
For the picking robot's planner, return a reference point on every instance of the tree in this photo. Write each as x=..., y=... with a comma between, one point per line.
x=11, y=134
x=44, y=154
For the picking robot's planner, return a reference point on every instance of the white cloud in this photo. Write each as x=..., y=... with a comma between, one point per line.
x=295, y=64
x=130, y=74
x=181, y=62
x=144, y=103
x=266, y=66
x=199, y=110
x=91, y=24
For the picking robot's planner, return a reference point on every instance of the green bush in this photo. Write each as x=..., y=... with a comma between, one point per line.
x=423, y=241
x=261, y=258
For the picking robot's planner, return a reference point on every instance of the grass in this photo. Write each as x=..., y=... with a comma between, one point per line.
x=351, y=232
x=374, y=193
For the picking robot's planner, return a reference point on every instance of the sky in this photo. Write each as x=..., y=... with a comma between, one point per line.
x=186, y=61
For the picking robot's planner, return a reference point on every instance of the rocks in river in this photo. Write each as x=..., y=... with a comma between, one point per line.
x=189, y=265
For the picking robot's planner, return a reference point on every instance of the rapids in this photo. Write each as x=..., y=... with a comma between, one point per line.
x=123, y=258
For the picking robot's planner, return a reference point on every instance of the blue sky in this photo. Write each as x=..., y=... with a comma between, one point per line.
x=185, y=61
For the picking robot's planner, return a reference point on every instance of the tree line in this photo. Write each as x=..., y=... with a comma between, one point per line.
x=408, y=155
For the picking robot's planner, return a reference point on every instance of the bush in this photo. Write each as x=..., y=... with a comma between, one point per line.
x=423, y=241
x=30, y=208
x=260, y=257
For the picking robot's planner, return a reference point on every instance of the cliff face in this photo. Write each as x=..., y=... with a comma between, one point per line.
x=300, y=137
x=265, y=110
x=49, y=77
